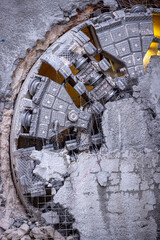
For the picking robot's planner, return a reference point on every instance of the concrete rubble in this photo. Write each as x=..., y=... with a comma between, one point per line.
x=51, y=165
x=50, y=217
x=24, y=232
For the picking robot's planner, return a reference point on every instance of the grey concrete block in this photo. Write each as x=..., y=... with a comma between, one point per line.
x=124, y=131
x=50, y=217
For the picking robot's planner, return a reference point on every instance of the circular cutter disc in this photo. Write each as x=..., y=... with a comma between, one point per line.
x=58, y=111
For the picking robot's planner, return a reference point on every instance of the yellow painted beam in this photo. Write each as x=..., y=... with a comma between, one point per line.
x=156, y=25
x=153, y=49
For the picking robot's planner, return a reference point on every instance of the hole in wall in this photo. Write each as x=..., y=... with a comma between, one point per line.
x=74, y=132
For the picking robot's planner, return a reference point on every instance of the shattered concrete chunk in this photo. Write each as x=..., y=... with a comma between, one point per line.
x=110, y=163
x=26, y=237
x=156, y=177
x=50, y=217
x=130, y=182
x=53, y=191
x=25, y=228
x=48, y=231
x=37, y=233
x=19, y=233
x=70, y=238
x=150, y=97
x=58, y=236
x=52, y=165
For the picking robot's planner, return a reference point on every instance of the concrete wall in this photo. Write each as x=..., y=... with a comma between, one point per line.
x=116, y=197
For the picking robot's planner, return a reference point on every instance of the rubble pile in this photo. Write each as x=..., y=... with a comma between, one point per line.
x=32, y=230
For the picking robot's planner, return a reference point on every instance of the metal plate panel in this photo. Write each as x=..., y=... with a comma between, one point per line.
x=128, y=60
x=146, y=42
x=135, y=44
x=119, y=34
x=53, y=88
x=48, y=100
x=42, y=131
x=111, y=50
x=105, y=38
x=45, y=114
x=146, y=28
x=138, y=60
x=60, y=105
x=123, y=48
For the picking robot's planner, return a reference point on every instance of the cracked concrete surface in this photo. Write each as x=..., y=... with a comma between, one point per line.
x=120, y=209
x=51, y=165
x=115, y=194
x=123, y=127
x=112, y=195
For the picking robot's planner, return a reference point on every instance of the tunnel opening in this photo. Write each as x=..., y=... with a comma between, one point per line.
x=72, y=123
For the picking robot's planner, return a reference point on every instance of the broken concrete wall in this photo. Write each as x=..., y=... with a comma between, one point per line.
x=26, y=31
x=23, y=24
x=114, y=195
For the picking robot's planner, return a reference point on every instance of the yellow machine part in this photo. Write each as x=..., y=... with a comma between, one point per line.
x=153, y=49
x=156, y=25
